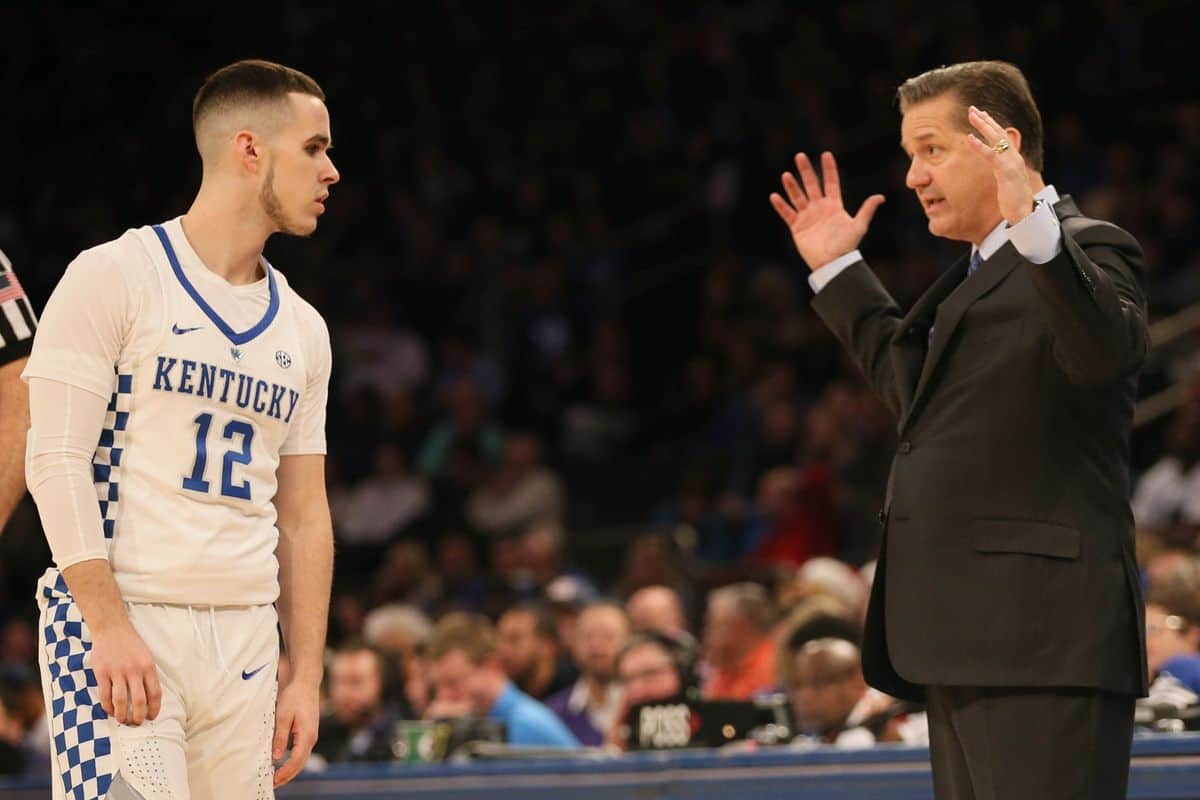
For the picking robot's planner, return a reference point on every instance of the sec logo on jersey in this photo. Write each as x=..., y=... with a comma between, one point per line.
x=283, y=359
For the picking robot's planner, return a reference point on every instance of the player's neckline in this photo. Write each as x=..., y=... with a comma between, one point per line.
x=233, y=336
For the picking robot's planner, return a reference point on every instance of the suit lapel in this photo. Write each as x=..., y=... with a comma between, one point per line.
x=908, y=346
x=1065, y=207
x=950, y=313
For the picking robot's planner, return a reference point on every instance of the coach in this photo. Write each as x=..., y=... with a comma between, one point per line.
x=1006, y=595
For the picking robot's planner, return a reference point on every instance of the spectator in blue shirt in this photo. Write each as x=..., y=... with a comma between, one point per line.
x=470, y=681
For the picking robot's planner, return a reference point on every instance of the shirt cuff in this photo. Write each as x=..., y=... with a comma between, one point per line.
x=1037, y=237
x=822, y=275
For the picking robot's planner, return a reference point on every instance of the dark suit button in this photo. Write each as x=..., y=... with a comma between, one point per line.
x=905, y=448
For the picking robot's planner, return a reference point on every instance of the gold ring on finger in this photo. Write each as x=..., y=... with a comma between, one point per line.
x=1001, y=146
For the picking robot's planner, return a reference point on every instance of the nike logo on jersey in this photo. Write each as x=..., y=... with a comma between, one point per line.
x=248, y=675
x=175, y=329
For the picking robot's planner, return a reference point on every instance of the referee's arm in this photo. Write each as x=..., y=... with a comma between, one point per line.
x=17, y=324
x=14, y=423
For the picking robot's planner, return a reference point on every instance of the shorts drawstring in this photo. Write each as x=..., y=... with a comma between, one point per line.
x=212, y=628
x=195, y=627
x=212, y=624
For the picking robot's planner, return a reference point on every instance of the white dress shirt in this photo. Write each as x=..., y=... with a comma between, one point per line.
x=1037, y=238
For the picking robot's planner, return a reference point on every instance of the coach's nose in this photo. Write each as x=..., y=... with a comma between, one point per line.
x=917, y=175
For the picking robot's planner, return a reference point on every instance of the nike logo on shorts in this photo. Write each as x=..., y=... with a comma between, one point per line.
x=175, y=329
x=248, y=675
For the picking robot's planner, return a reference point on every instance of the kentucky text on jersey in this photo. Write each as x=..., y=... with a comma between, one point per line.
x=185, y=376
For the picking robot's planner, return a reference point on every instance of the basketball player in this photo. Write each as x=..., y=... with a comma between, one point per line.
x=17, y=324
x=178, y=380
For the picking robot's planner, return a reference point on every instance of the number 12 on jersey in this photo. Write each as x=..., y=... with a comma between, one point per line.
x=234, y=428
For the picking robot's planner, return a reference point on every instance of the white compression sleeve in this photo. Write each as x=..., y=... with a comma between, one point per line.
x=66, y=424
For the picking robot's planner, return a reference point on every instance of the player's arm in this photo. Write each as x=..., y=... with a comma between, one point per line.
x=14, y=423
x=17, y=324
x=305, y=554
x=70, y=375
x=66, y=424
x=305, y=572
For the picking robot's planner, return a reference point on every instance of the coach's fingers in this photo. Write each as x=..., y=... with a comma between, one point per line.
x=785, y=212
x=794, y=192
x=867, y=211
x=153, y=694
x=980, y=148
x=833, y=183
x=812, y=184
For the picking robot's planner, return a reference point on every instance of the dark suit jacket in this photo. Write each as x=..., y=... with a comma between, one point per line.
x=1007, y=556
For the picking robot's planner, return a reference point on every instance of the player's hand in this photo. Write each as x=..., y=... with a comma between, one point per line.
x=821, y=229
x=126, y=676
x=1013, y=189
x=297, y=712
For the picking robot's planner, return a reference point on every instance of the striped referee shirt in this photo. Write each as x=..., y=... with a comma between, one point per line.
x=17, y=321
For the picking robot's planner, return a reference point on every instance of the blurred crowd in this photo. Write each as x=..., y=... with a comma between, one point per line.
x=578, y=394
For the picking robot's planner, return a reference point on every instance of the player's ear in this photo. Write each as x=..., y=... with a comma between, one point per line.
x=248, y=149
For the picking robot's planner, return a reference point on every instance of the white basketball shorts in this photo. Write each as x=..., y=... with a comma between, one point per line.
x=212, y=737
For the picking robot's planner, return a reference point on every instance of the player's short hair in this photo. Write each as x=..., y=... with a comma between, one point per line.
x=997, y=87
x=473, y=634
x=250, y=82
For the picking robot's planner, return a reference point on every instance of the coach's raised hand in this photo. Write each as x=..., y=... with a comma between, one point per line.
x=817, y=218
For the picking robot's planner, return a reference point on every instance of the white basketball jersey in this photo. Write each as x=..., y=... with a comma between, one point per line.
x=202, y=407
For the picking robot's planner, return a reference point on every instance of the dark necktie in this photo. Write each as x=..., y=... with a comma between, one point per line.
x=976, y=263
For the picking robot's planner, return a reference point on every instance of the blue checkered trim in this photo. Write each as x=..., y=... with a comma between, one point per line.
x=79, y=728
x=106, y=463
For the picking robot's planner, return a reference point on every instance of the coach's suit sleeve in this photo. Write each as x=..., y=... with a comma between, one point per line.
x=864, y=318
x=1095, y=304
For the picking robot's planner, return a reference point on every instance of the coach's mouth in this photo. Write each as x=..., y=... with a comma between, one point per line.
x=932, y=203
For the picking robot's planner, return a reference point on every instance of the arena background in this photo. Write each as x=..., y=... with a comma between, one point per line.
x=552, y=225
